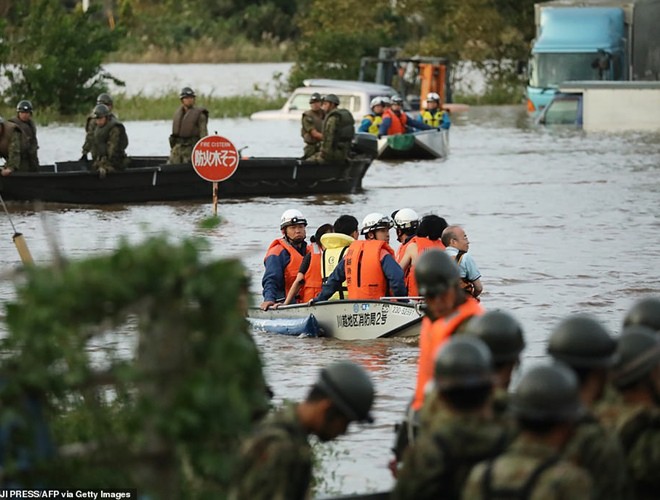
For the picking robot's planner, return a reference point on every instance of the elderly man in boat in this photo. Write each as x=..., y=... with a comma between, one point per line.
x=369, y=267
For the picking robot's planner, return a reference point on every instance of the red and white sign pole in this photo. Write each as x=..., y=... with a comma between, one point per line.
x=215, y=159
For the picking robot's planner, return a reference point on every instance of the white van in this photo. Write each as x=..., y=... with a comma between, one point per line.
x=353, y=95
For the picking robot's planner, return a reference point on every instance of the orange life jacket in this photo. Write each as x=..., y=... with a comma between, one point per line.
x=423, y=244
x=313, y=278
x=397, y=122
x=432, y=336
x=291, y=270
x=364, y=275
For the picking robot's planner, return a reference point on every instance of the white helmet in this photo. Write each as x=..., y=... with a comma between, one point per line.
x=374, y=221
x=385, y=100
x=406, y=218
x=433, y=96
x=376, y=101
x=291, y=217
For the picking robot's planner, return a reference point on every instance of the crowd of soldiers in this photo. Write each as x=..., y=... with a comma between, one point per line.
x=583, y=424
x=105, y=136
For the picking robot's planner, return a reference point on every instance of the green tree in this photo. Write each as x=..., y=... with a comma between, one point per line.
x=57, y=57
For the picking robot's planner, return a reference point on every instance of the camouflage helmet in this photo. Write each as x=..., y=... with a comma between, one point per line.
x=501, y=333
x=24, y=106
x=331, y=98
x=463, y=362
x=315, y=97
x=639, y=353
x=548, y=393
x=104, y=99
x=581, y=341
x=645, y=312
x=350, y=388
x=101, y=111
x=187, y=92
x=436, y=272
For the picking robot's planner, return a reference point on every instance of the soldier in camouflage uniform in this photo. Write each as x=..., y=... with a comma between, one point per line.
x=338, y=132
x=189, y=125
x=90, y=125
x=583, y=344
x=645, y=312
x=276, y=461
x=29, y=143
x=462, y=430
x=312, y=126
x=546, y=404
x=110, y=142
x=10, y=146
x=635, y=418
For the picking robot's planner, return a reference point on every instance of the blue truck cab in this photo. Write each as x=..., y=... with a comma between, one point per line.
x=575, y=43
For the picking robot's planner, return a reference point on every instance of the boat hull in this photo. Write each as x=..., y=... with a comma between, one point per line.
x=151, y=179
x=352, y=319
x=423, y=145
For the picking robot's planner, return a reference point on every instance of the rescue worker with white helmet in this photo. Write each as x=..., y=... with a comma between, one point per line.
x=372, y=121
x=396, y=121
x=369, y=267
x=434, y=115
x=405, y=222
x=283, y=258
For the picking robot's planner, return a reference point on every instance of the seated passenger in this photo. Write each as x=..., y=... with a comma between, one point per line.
x=372, y=121
x=395, y=121
x=335, y=247
x=109, y=143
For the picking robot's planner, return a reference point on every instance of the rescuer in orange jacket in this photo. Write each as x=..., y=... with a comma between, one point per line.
x=405, y=222
x=395, y=121
x=369, y=267
x=283, y=258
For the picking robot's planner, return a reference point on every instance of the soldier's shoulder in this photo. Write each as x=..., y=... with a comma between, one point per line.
x=566, y=476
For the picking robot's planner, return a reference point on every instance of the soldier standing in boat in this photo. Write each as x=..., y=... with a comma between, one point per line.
x=188, y=127
x=312, y=126
x=29, y=143
x=276, y=461
x=338, y=132
x=90, y=125
x=10, y=146
x=110, y=142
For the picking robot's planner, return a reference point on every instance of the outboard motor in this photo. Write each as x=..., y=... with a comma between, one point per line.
x=365, y=144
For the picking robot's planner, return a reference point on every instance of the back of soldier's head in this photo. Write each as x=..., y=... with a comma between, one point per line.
x=431, y=227
x=346, y=224
x=645, y=312
x=639, y=354
x=547, y=395
x=501, y=332
x=463, y=373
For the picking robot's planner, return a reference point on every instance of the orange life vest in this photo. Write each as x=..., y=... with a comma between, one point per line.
x=397, y=122
x=291, y=270
x=313, y=278
x=423, y=244
x=432, y=336
x=364, y=275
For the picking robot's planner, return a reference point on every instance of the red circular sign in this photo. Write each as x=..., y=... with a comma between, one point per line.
x=214, y=158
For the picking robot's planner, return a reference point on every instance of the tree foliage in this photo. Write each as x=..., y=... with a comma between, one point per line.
x=164, y=419
x=57, y=57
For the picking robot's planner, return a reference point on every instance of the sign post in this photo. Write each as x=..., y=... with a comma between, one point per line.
x=215, y=159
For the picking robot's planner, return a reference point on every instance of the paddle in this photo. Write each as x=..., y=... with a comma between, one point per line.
x=19, y=240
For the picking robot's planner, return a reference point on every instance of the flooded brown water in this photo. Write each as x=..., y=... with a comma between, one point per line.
x=559, y=222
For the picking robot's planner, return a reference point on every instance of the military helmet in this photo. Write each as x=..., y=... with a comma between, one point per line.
x=433, y=96
x=645, y=312
x=292, y=217
x=187, y=92
x=501, y=333
x=350, y=388
x=639, y=353
x=101, y=111
x=315, y=97
x=463, y=362
x=435, y=272
x=548, y=393
x=331, y=98
x=104, y=99
x=581, y=341
x=406, y=218
x=396, y=100
x=375, y=220
x=24, y=106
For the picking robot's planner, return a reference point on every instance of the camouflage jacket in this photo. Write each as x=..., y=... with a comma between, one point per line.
x=528, y=470
x=638, y=429
x=275, y=462
x=438, y=463
x=311, y=120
